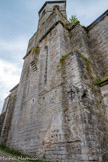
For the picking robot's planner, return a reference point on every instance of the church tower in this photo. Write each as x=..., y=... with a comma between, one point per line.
x=59, y=113
x=49, y=7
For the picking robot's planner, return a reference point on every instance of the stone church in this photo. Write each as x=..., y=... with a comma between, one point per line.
x=59, y=110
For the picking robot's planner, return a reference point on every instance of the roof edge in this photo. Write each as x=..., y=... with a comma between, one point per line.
x=100, y=18
x=14, y=87
x=64, y=1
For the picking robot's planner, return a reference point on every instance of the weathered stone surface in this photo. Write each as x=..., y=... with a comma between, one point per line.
x=6, y=157
x=59, y=113
x=99, y=46
x=7, y=115
x=48, y=8
x=2, y=117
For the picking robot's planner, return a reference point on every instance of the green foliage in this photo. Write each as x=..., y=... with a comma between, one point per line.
x=104, y=79
x=17, y=154
x=65, y=109
x=73, y=19
x=7, y=150
x=78, y=89
x=97, y=82
x=62, y=60
x=63, y=15
x=89, y=71
x=84, y=58
x=97, y=103
x=13, y=95
x=44, y=156
x=99, y=114
x=35, y=160
x=100, y=81
x=36, y=50
x=82, y=71
x=83, y=76
x=87, y=64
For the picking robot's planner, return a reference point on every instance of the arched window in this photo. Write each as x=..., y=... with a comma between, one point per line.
x=46, y=64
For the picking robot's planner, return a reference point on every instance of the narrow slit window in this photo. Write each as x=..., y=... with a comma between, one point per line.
x=46, y=66
x=33, y=65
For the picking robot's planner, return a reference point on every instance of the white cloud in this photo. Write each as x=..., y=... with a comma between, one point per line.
x=13, y=49
x=9, y=74
x=11, y=53
x=86, y=11
x=16, y=44
x=9, y=77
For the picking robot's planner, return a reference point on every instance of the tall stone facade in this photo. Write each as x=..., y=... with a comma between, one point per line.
x=59, y=110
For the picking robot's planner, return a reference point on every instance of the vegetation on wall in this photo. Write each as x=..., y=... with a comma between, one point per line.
x=35, y=50
x=66, y=109
x=17, y=154
x=73, y=19
x=62, y=60
x=100, y=81
x=87, y=65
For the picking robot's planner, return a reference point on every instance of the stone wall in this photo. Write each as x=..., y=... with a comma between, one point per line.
x=98, y=44
x=59, y=114
x=104, y=91
x=48, y=25
x=79, y=76
x=7, y=116
x=51, y=121
x=48, y=9
x=98, y=35
x=2, y=117
x=5, y=104
x=37, y=117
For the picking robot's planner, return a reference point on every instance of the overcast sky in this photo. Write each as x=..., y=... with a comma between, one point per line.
x=18, y=22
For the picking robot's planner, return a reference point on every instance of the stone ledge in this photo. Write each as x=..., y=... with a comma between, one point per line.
x=105, y=82
x=102, y=82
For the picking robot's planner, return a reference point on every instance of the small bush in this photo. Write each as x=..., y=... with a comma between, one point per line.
x=73, y=19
